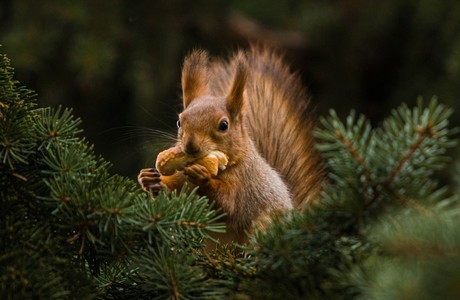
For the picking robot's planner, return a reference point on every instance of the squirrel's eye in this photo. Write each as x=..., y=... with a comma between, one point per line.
x=223, y=125
x=178, y=123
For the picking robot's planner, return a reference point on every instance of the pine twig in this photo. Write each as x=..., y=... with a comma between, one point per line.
x=423, y=134
x=82, y=246
x=73, y=238
x=354, y=152
x=411, y=203
x=192, y=224
x=177, y=294
x=423, y=248
x=23, y=178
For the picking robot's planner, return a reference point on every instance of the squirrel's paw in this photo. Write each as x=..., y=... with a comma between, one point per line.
x=197, y=174
x=150, y=181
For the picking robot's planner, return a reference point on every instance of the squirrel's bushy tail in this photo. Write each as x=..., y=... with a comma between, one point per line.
x=279, y=118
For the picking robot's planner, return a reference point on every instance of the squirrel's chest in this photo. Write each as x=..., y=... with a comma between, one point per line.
x=236, y=186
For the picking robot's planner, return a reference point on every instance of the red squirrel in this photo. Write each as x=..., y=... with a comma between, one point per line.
x=255, y=110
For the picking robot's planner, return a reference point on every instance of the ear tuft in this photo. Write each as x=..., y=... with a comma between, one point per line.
x=235, y=99
x=194, y=76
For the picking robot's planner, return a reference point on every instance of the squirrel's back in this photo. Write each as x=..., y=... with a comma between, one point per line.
x=279, y=119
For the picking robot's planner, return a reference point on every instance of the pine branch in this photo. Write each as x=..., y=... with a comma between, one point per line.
x=354, y=153
x=15, y=120
x=352, y=142
x=428, y=131
x=413, y=143
x=416, y=249
x=58, y=195
x=165, y=274
x=54, y=125
x=176, y=216
x=423, y=134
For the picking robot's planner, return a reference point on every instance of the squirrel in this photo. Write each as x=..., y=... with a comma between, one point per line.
x=256, y=111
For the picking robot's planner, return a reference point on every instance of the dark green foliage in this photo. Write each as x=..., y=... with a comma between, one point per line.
x=373, y=174
x=419, y=259
x=163, y=273
x=305, y=256
x=390, y=165
x=68, y=227
x=15, y=104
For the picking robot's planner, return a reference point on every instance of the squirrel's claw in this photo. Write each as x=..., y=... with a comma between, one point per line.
x=150, y=181
x=197, y=174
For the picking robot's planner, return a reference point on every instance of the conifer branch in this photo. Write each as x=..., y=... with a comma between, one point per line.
x=423, y=134
x=23, y=178
x=82, y=245
x=420, y=248
x=412, y=204
x=73, y=238
x=192, y=224
x=354, y=153
x=176, y=293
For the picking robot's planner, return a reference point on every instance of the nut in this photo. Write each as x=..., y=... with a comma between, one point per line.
x=173, y=159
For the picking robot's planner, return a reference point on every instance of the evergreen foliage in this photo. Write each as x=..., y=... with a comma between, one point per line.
x=374, y=176
x=69, y=229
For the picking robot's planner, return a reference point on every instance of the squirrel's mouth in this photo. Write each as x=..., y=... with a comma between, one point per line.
x=196, y=151
x=196, y=156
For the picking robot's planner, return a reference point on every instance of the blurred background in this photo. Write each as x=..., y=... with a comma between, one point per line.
x=117, y=63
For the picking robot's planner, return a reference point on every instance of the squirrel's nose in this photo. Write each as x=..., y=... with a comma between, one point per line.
x=191, y=147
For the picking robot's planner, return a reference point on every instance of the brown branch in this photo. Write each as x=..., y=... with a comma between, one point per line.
x=29, y=245
x=355, y=154
x=82, y=246
x=176, y=291
x=65, y=198
x=73, y=238
x=23, y=178
x=422, y=248
x=79, y=235
x=114, y=211
x=192, y=224
x=411, y=203
x=155, y=219
x=423, y=134
x=214, y=262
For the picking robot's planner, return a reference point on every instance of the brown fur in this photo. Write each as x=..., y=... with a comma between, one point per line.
x=273, y=164
x=279, y=119
x=194, y=76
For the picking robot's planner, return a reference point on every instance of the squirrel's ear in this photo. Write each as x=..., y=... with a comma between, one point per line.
x=194, y=76
x=235, y=99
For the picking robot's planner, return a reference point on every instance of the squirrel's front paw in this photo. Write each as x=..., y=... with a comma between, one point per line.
x=197, y=174
x=150, y=181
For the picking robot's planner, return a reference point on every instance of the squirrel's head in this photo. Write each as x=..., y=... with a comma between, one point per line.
x=211, y=122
